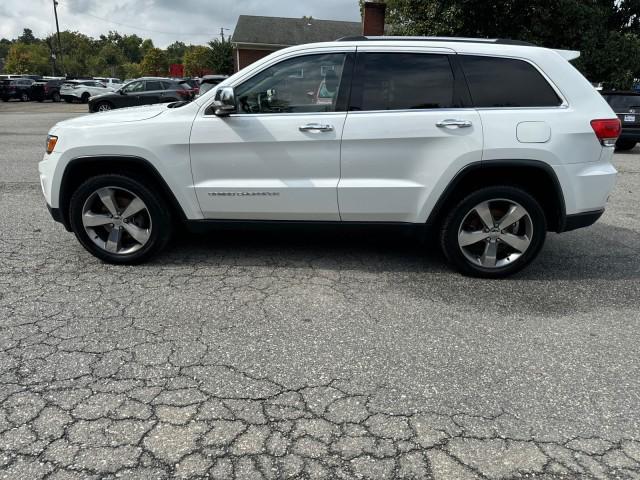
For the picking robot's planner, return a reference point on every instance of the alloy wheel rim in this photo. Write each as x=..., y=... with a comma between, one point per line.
x=103, y=107
x=495, y=233
x=116, y=220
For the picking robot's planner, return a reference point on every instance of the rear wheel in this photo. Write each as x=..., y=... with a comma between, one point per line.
x=494, y=232
x=55, y=97
x=85, y=97
x=119, y=219
x=624, y=145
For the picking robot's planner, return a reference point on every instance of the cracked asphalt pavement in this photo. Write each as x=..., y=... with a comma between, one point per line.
x=311, y=354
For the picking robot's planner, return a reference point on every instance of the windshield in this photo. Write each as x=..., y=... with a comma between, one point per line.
x=623, y=103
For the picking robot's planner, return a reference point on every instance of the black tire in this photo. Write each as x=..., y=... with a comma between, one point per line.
x=624, y=145
x=85, y=97
x=157, y=208
x=24, y=97
x=453, y=222
x=55, y=97
x=103, y=106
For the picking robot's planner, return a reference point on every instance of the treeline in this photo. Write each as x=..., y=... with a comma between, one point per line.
x=607, y=32
x=112, y=55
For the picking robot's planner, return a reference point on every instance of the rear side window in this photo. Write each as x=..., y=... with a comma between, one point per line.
x=402, y=81
x=152, y=86
x=506, y=82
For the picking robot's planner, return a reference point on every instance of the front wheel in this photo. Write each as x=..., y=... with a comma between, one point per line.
x=55, y=97
x=494, y=232
x=119, y=219
x=103, y=107
x=85, y=97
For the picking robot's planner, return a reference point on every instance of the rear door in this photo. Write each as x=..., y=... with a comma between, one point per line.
x=152, y=91
x=408, y=131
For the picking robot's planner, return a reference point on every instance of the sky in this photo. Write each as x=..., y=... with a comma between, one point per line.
x=164, y=21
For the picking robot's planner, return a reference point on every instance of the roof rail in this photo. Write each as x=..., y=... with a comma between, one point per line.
x=497, y=41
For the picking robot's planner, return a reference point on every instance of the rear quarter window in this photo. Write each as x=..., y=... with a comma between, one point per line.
x=506, y=82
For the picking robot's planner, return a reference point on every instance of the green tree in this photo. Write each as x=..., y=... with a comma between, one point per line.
x=27, y=37
x=606, y=32
x=110, y=58
x=131, y=47
x=197, y=60
x=145, y=46
x=131, y=70
x=176, y=51
x=221, y=57
x=155, y=62
x=27, y=59
x=5, y=44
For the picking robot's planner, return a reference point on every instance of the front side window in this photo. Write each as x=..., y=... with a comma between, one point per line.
x=303, y=84
x=133, y=87
x=506, y=82
x=401, y=81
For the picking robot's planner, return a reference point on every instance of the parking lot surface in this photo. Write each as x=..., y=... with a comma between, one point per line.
x=253, y=354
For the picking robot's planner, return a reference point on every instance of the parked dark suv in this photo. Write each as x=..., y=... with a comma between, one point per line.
x=46, y=90
x=19, y=88
x=143, y=91
x=627, y=107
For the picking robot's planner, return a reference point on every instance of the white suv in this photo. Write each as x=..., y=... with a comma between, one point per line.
x=82, y=90
x=493, y=143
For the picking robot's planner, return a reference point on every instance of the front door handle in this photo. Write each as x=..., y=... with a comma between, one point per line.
x=452, y=122
x=315, y=127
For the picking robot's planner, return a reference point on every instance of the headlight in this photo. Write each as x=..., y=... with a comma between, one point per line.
x=51, y=143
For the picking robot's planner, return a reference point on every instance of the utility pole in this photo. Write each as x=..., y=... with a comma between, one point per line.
x=55, y=12
x=222, y=29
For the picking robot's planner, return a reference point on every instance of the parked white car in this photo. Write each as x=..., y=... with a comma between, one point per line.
x=109, y=82
x=490, y=143
x=82, y=90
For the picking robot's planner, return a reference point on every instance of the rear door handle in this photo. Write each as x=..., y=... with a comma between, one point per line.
x=452, y=122
x=315, y=127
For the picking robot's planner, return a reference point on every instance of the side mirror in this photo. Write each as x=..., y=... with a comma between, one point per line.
x=224, y=102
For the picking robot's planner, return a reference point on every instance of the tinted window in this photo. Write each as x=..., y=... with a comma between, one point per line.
x=168, y=86
x=303, y=84
x=623, y=103
x=506, y=82
x=399, y=81
x=133, y=87
x=150, y=86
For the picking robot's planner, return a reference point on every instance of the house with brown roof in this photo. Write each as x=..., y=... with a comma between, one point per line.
x=256, y=37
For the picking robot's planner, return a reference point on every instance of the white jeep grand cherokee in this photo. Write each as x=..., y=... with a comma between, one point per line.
x=491, y=142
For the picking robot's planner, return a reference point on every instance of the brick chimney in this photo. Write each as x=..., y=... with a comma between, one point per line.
x=373, y=18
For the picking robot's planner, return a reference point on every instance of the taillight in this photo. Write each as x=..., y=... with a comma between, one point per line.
x=607, y=130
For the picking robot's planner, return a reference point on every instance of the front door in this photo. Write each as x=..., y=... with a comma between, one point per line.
x=131, y=94
x=408, y=131
x=278, y=157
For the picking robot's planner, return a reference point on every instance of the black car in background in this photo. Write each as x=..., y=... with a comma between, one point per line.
x=46, y=90
x=143, y=91
x=19, y=88
x=209, y=81
x=627, y=108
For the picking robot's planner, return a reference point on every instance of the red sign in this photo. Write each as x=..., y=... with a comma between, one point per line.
x=176, y=70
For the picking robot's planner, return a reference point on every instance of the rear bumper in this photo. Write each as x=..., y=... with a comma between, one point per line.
x=581, y=220
x=631, y=134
